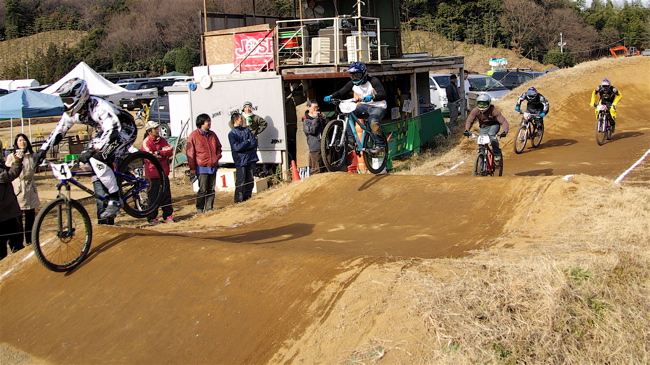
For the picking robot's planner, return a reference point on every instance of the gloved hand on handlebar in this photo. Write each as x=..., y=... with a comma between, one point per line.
x=367, y=98
x=466, y=133
x=85, y=156
x=503, y=135
x=327, y=98
x=517, y=109
x=614, y=107
x=542, y=115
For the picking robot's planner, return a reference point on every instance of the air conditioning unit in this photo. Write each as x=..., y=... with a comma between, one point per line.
x=321, y=50
x=358, y=45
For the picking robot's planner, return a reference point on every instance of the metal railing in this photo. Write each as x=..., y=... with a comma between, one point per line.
x=328, y=41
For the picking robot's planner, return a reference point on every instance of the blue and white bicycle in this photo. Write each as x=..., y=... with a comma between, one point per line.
x=340, y=138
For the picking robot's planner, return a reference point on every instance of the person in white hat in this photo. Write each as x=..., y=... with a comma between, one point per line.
x=159, y=147
x=254, y=122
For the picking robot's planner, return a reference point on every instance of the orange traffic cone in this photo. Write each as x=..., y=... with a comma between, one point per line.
x=352, y=168
x=295, y=176
x=361, y=166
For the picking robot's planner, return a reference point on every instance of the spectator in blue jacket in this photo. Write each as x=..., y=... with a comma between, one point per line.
x=243, y=145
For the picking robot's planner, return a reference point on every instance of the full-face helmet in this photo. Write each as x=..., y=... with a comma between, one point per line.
x=531, y=93
x=483, y=102
x=358, y=72
x=605, y=84
x=74, y=94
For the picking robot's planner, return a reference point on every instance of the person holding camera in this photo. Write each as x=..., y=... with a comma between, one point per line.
x=11, y=230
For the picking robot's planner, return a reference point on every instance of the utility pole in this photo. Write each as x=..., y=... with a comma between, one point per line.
x=27, y=67
x=561, y=44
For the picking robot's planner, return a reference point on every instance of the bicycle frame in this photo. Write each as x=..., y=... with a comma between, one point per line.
x=486, y=147
x=351, y=121
x=66, y=177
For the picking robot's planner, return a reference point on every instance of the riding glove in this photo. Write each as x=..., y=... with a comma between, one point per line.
x=85, y=156
x=503, y=135
x=367, y=98
x=327, y=98
x=517, y=109
x=542, y=115
x=466, y=133
x=39, y=156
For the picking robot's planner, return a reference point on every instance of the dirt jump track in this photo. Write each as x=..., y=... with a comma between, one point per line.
x=258, y=282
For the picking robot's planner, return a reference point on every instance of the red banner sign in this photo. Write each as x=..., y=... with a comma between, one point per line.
x=253, y=51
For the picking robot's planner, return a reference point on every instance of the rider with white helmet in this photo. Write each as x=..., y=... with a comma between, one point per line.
x=115, y=133
x=490, y=120
x=371, y=92
x=606, y=94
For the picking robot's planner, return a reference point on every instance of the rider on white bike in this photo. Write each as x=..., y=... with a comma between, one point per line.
x=606, y=94
x=115, y=128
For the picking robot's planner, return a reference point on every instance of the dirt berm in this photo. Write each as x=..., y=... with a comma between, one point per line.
x=308, y=273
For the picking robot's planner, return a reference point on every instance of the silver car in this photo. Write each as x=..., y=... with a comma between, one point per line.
x=481, y=84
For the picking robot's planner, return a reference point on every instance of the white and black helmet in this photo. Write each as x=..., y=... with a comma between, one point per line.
x=74, y=94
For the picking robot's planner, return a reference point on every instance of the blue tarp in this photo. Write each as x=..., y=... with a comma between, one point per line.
x=26, y=103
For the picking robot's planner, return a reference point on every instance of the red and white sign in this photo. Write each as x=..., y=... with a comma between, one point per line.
x=260, y=49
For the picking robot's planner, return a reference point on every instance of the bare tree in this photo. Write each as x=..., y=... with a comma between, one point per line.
x=579, y=37
x=520, y=19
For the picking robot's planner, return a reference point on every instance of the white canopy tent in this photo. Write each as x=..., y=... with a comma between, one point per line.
x=99, y=86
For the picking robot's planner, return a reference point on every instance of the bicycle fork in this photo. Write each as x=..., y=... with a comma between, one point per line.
x=64, y=230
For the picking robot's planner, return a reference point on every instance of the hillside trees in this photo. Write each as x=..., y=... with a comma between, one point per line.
x=533, y=27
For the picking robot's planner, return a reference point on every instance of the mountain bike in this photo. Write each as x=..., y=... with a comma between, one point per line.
x=484, y=164
x=531, y=128
x=339, y=137
x=604, y=127
x=62, y=231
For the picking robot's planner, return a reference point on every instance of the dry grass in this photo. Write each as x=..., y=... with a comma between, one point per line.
x=579, y=297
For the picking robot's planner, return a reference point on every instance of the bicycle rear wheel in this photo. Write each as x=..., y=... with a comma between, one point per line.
x=61, y=236
x=538, y=134
x=520, y=139
x=139, y=123
x=135, y=187
x=333, y=147
x=480, y=165
x=374, y=158
x=601, y=130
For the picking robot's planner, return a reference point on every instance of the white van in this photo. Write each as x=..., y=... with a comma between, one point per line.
x=437, y=92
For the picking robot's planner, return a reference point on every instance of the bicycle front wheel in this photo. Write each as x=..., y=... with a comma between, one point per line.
x=135, y=188
x=480, y=165
x=601, y=130
x=374, y=158
x=62, y=234
x=538, y=134
x=333, y=146
x=520, y=139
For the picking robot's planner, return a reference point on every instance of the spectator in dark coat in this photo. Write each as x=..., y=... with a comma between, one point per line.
x=243, y=145
x=313, y=123
x=11, y=230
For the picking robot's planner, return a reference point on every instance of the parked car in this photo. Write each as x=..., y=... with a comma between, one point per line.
x=3, y=92
x=136, y=101
x=159, y=112
x=130, y=81
x=481, y=84
x=513, y=78
x=437, y=92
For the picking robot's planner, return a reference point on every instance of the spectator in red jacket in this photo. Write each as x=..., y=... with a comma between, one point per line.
x=159, y=147
x=203, y=154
